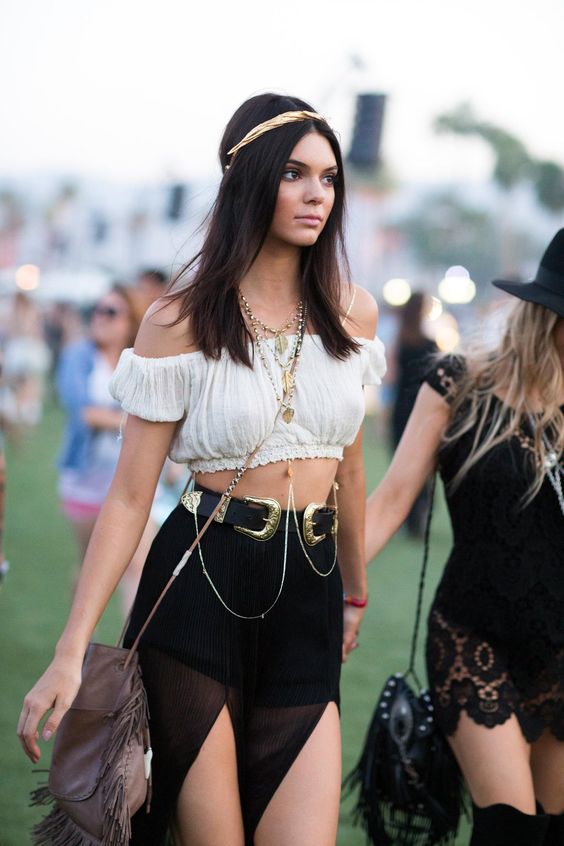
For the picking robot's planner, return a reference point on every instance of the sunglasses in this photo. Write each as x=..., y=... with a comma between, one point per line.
x=108, y=311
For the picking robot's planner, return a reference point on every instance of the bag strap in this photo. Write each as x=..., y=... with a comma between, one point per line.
x=426, y=543
x=184, y=560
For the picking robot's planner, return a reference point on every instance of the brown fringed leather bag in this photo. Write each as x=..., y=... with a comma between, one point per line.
x=100, y=771
x=101, y=766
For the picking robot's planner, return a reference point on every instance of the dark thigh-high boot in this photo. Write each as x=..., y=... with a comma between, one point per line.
x=502, y=825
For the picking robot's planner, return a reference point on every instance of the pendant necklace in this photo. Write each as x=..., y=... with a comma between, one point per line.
x=280, y=339
x=555, y=472
x=288, y=367
x=553, y=467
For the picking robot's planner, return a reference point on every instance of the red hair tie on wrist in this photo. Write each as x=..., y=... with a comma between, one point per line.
x=356, y=601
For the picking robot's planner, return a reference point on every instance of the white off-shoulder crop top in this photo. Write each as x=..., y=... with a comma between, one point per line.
x=225, y=409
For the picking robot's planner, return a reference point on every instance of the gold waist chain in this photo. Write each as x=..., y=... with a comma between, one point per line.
x=292, y=509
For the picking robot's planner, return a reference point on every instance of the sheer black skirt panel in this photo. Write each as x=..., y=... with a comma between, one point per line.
x=275, y=674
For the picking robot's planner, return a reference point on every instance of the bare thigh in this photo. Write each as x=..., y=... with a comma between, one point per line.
x=208, y=810
x=495, y=763
x=305, y=808
x=547, y=762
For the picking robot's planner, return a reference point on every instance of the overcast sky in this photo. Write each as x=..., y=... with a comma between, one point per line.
x=137, y=90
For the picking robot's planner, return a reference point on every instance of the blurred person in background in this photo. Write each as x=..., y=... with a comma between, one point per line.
x=152, y=284
x=4, y=566
x=91, y=444
x=62, y=324
x=410, y=359
x=492, y=421
x=26, y=363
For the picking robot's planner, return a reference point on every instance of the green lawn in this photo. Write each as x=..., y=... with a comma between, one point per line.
x=34, y=602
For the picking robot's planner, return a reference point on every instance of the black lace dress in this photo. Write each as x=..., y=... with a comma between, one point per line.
x=495, y=642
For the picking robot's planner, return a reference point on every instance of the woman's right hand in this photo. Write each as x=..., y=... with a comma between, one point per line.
x=56, y=689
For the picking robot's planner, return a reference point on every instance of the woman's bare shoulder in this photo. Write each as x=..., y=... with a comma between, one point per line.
x=361, y=311
x=163, y=332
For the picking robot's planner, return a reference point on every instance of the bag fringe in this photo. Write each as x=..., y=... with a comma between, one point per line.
x=41, y=796
x=58, y=829
x=394, y=812
x=117, y=822
x=129, y=724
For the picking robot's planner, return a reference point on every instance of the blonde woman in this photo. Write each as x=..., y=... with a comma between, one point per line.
x=493, y=424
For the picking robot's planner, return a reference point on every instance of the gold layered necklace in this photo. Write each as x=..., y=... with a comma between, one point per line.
x=290, y=365
x=280, y=339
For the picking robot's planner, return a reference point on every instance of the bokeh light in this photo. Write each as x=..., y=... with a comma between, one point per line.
x=435, y=309
x=27, y=277
x=396, y=292
x=457, y=287
x=447, y=338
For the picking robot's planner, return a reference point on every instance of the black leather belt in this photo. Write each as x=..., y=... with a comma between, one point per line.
x=260, y=518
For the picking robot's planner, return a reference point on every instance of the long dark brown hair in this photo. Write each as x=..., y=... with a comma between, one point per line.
x=237, y=225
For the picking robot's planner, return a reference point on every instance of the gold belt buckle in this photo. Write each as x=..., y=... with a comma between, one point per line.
x=272, y=519
x=309, y=531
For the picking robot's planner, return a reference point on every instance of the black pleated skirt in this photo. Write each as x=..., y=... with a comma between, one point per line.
x=275, y=674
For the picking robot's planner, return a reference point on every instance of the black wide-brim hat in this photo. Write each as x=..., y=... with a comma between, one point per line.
x=547, y=288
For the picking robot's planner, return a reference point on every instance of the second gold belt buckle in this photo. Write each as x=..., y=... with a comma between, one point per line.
x=309, y=526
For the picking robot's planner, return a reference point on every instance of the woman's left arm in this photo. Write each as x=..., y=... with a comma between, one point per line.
x=351, y=497
x=361, y=322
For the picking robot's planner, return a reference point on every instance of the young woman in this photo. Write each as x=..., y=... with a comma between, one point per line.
x=493, y=422
x=242, y=660
x=90, y=445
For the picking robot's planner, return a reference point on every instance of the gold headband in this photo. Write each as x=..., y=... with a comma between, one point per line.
x=273, y=123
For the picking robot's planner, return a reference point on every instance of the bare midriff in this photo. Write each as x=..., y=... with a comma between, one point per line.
x=312, y=480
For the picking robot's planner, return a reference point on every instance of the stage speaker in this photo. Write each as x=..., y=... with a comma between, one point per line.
x=176, y=201
x=369, y=118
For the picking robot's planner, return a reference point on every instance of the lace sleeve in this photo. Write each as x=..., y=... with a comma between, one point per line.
x=445, y=374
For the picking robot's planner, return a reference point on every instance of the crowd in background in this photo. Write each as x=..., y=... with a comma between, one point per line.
x=73, y=352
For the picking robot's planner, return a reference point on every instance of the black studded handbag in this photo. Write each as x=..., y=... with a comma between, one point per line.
x=410, y=789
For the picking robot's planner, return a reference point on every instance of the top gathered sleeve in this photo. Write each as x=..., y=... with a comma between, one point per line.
x=445, y=374
x=154, y=389
x=373, y=361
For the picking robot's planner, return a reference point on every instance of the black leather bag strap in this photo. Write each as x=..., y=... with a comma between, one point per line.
x=426, y=542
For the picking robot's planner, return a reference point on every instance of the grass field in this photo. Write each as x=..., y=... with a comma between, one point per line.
x=34, y=602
